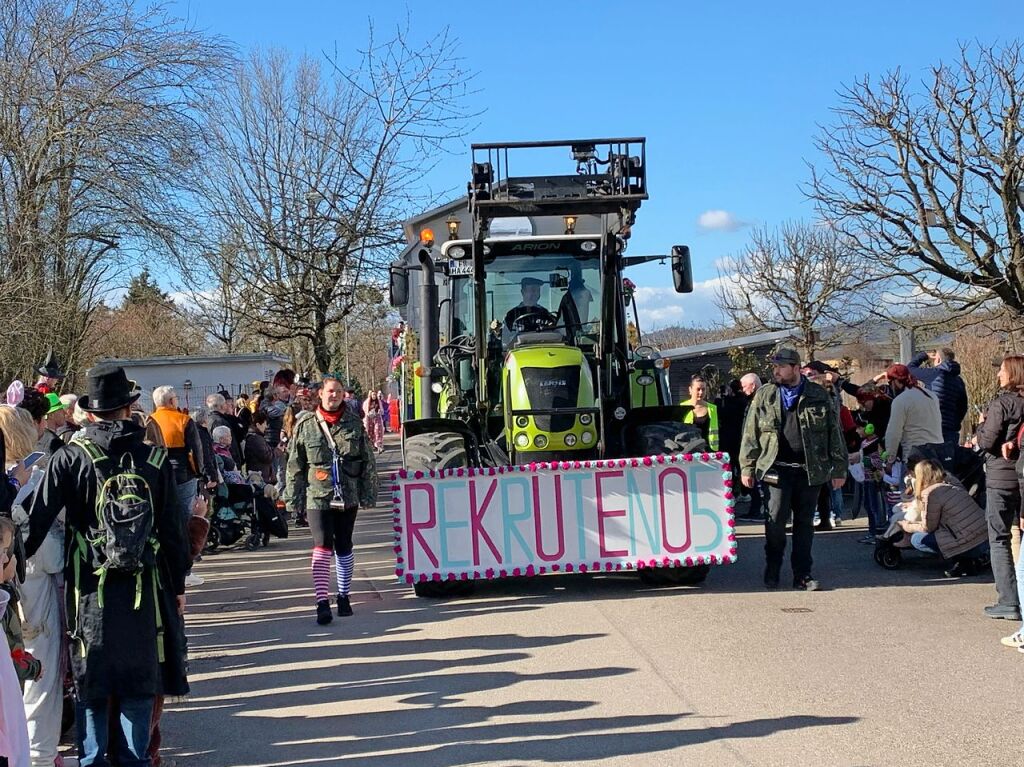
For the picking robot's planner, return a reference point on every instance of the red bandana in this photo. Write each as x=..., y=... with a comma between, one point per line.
x=331, y=416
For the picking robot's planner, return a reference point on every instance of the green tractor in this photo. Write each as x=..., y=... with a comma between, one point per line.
x=536, y=363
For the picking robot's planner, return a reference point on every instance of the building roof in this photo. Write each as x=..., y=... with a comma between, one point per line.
x=192, y=360
x=717, y=347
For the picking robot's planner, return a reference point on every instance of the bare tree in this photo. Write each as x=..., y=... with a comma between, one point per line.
x=214, y=295
x=928, y=183
x=316, y=167
x=800, y=277
x=98, y=141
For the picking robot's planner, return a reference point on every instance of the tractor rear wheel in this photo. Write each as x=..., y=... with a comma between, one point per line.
x=436, y=451
x=668, y=438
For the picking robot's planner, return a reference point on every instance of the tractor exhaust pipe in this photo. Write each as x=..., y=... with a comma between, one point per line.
x=429, y=332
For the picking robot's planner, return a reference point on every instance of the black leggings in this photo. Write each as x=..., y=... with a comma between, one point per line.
x=332, y=529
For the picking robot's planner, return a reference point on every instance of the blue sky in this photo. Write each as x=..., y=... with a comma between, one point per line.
x=728, y=94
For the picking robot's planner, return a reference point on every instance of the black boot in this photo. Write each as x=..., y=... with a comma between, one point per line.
x=344, y=607
x=323, y=612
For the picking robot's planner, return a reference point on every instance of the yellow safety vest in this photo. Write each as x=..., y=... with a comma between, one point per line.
x=712, y=422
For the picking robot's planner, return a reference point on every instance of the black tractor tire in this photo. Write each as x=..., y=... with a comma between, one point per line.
x=443, y=589
x=669, y=438
x=675, y=576
x=435, y=451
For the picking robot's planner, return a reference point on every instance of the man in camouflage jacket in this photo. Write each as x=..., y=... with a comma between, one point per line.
x=336, y=476
x=793, y=445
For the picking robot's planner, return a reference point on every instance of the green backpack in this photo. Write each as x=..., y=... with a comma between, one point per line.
x=123, y=539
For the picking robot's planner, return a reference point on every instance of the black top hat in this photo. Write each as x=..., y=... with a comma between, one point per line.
x=51, y=367
x=109, y=389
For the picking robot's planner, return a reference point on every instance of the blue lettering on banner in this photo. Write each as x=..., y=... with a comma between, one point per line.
x=444, y=524
x=651, y=527
x=696, y=473
x=508, y=519
x=581, y=530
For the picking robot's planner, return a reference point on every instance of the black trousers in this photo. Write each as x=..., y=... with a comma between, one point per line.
x=332, y=529
x=792, y=498
x=1002, y=509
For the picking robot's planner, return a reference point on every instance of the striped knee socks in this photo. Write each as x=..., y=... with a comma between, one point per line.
x=321, y=572
x=345, y=564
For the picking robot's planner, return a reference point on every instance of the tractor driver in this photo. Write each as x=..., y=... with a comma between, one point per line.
x=528, y=316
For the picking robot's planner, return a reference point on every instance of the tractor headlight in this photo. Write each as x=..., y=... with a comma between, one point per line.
x=522, y=439
x=587, y=437
x=456, y=251
x=437, y=387
x=522, y=421
x=540, y=441
x=586, y=419
x=570, y=440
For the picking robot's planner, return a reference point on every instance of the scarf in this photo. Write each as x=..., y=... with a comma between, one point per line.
x=331, y=416
x=790, y=394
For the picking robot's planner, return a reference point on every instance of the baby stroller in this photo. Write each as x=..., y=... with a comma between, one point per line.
x=245, y=509
x=968, y=467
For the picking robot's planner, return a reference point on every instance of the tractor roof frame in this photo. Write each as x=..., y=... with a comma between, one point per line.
x=611, y=177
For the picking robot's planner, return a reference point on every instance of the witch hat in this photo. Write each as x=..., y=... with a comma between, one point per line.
x=51, y=367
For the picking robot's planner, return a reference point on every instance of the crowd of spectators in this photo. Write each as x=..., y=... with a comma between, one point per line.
x=911, y=450
x=58, y=581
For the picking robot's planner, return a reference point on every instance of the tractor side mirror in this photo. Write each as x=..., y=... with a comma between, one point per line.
x=399, y=287
x=682, y=270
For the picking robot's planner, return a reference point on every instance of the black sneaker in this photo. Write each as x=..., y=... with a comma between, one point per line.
x=806, y=583
x=771, y=578
x=344, y=607
x=323, y=612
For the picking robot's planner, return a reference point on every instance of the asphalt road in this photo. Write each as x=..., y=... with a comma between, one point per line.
x=879, y=668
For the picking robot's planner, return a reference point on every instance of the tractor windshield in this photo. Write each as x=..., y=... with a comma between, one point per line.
x=557, y=292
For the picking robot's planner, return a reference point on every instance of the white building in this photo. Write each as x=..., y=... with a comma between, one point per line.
x=196, y=377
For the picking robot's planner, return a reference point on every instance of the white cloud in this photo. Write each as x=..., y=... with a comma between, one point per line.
x=719, y=221
x=661, y=307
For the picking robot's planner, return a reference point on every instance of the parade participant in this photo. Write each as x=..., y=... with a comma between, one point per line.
x=125, y=592
x=50, y=374
x=331, y=471
x=56, y=417
x=702, y=414
x=791, y=443
x=374, y=421
x=528, y=315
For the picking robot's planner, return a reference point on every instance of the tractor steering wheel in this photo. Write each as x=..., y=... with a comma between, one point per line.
x=534, y=319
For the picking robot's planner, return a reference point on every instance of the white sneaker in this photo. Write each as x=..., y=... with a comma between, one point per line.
x=194, y=580
x=1015, y=640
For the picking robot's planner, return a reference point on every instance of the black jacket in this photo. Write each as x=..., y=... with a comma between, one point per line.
x=115, y=650
x=259, y=456
x=945, y=383
x=1003, y=419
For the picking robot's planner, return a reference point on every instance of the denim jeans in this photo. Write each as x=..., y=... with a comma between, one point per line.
x=838, y=504
x=136, y=715
x=873, y=507
x=1002, y=509
x=924, y=542
x=186, y=497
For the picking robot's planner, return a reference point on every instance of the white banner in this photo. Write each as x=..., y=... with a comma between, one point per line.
x=579, y=516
